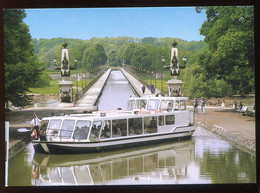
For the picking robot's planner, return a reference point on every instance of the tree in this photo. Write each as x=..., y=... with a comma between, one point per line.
x=140, y=57
x=90, y=58
x=128, y=52
x=101, y=53
x=21, y=68
x=229, y=32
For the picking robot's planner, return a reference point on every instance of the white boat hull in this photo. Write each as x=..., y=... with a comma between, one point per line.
x=111, y=144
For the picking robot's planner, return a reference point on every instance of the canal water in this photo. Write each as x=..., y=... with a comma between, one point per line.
x=203, y=159
x=116, y=92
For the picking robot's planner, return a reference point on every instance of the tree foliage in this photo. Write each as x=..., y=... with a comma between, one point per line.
x=21, y=67
x=229, y=32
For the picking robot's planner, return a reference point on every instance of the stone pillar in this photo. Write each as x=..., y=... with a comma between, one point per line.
x=65, y=85
x=65, y=66
x=174, y=65
x=174, y=87
x=65, y=91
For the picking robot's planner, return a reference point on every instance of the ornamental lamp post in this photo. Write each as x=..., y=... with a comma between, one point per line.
x=55, y=61
x=184, y=59
x=163, y=62
x=75, y=61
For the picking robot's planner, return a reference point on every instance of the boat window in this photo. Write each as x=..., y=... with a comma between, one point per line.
x=95, y=130
x=161, y=120
x=66, y=129
x=135, y=126
x=140, y=104
x=44, y=125
x=150, y=124
x=81, y=129
x=119, y=127
x=106, y=131
x=169, y=119
x=53, y=128
x=153, y=104
x=130, y=105
x=177, y=105
x=43, y=129
x=166, y=105
x=182, y=105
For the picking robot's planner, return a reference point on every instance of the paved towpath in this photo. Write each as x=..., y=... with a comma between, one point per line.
x=237, y=129
x=136, y=84
x=88, y=100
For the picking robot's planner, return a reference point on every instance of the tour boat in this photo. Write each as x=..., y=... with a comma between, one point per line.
x=147, y=120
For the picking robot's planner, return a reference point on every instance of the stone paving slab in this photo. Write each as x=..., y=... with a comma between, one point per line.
x=91, y=96
x=136, y=84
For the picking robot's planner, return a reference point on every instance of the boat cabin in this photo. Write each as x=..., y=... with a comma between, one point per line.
x=157, y=103
x=144, y=116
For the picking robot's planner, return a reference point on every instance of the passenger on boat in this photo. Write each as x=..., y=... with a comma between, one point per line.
x=35, y=124
x=147, y=130
x=42, y=135
x=118, y=133
x=169, y=108
x=94, y=131
x=131, y=131
x=106, y=132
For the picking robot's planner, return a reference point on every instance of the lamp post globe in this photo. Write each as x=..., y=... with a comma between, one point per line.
x=184, y=59
x=75, y=59
x=55, y=60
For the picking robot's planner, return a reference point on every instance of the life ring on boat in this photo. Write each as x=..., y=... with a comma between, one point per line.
x=34, y=173
x=34, y=133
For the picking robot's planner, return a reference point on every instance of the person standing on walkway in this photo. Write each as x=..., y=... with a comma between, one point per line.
x=240, y=106
x=202, y=104
x=35, y=124
x=151, y=88
x=143, y=89
x=195, y=105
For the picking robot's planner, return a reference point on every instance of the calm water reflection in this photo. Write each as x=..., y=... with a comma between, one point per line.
x=116, y=92
x=204, y=159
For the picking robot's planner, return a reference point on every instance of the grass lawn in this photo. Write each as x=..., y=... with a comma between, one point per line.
x=53, y=88
x=158, y=84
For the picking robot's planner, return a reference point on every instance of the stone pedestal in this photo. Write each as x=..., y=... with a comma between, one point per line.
x=174, y=87
x=65, y=91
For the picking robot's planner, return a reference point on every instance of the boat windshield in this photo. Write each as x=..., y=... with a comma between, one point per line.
x=166, y=105
x=140, y=104
x=95, y=130
x=180, y=105
x=66, y=129
x=53, y=129
x=130, y=105
x=81, y=129
x=153, y=104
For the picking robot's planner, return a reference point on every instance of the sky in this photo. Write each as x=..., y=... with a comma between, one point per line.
x=85, y=23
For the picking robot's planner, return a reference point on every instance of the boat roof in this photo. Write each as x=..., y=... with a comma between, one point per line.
x=159, y=97
x=110, y=114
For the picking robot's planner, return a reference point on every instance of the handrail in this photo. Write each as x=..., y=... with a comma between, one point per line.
x=77, y=96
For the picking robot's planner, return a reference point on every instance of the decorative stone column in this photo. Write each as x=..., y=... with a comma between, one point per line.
x=65, y=91
x=174, y=85
x=65, y=85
